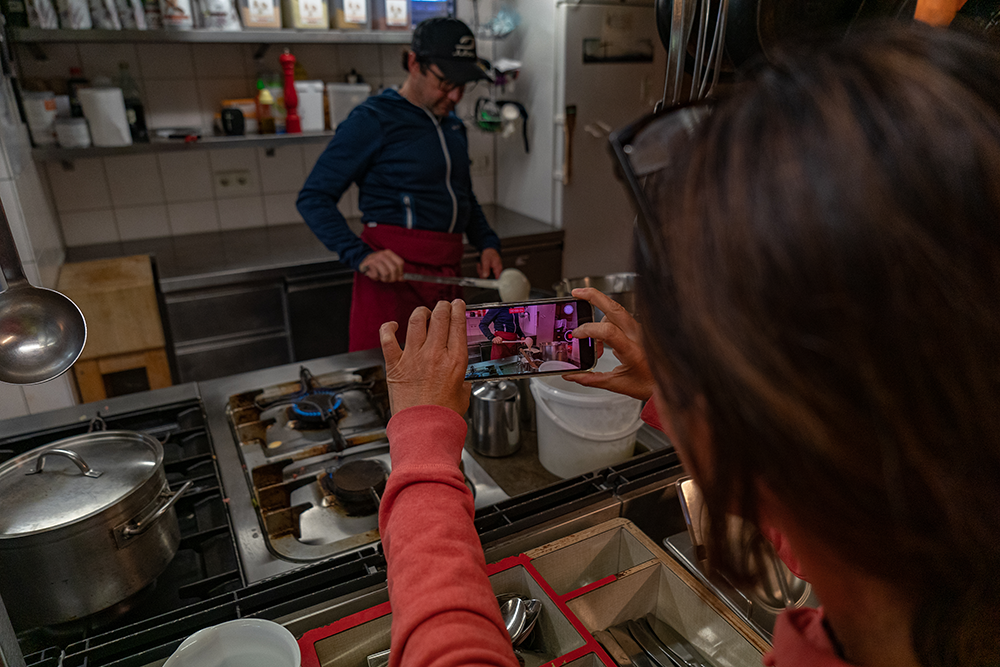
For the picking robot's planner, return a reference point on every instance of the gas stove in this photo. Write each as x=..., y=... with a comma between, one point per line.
x=310, y=441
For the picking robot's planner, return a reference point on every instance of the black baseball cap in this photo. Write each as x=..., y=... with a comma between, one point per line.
x=449, y=44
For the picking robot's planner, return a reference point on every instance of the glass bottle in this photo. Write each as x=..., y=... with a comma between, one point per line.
x=134, y=111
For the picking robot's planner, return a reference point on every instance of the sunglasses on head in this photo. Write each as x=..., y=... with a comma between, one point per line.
x=648, y=148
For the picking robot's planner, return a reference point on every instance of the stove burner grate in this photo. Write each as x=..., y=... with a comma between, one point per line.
x=358, y=485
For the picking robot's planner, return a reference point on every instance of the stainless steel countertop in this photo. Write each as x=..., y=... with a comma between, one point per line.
x=196, y=261
x=255, y=559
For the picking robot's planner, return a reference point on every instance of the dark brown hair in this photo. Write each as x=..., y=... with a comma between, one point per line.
x=826, y=278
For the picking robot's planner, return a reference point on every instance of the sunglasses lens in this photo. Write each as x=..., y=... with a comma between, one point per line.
x=654, y=146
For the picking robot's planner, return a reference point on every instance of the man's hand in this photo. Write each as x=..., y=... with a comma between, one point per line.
x=497, y=340
x=489, y=263
x=431, y=370
x=619, y=331
x=382, y=266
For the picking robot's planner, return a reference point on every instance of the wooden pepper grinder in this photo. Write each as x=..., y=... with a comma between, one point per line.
x=293, y=124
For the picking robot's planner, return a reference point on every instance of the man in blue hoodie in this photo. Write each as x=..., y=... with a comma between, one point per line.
x=409, y=154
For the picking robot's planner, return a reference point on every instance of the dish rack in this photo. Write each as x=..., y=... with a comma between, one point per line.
x=587, y=582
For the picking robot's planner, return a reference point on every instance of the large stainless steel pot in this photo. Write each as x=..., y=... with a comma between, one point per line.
x=87, y=521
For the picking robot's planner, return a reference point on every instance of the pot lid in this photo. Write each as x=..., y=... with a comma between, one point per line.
x=494, y=391
x=80, y=477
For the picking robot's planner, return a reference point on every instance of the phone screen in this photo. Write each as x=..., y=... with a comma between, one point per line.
x=527, y=339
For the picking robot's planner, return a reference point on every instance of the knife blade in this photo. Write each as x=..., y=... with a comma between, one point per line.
x=654, y=647
x=674, y=641
x=635, y=653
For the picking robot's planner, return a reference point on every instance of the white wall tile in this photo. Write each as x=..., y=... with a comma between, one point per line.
x=166, y=61
x=41, y=223
x=211, y=92
x=49, y=263
x=235, y=159
x=89, y=227
x=172, y=104
x=219, y=61
x=241, y=212
x=12, y=402
x=482, y=186
x=15, y=218
x=187, y=176
x=142, y=222
x=280, y=209
x=134, y=180
x=282, y=171
x=59, y=58
x=51, y=395
x=311, y=153
x=193, y=217
x=348, y=204
x=391, y=55
x=365, y=58
x=82, y=188
x=32, y=273
x=319, y=60
x=104, y=59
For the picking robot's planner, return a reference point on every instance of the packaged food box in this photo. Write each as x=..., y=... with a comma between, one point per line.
x=306, y=14
x=260, y=13
x=350, y=15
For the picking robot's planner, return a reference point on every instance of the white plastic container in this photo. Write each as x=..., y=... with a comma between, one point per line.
x=581, y=429
x=343, y=98
x=104, y=109
x=72, y=132
x=40, y=109
x=310, y=105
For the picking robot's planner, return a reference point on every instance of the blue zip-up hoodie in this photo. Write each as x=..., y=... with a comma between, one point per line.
x=395, y=152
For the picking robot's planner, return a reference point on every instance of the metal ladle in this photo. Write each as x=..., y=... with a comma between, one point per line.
x=512, y=284
x=42, y=332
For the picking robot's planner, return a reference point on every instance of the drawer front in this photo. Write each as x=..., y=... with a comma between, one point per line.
x=224, y=312
x=197, y=363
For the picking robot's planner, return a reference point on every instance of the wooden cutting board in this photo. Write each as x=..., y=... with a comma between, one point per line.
x=118, y=300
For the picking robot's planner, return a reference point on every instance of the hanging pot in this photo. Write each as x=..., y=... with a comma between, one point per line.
x=87, y=522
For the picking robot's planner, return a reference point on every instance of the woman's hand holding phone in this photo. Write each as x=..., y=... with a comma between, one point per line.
x=620, y=332
x=431, y=370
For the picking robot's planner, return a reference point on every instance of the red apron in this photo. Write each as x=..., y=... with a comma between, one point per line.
x=374, y=303
x=501, y=350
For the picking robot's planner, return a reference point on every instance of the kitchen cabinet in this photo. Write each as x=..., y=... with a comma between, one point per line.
x=319, y=310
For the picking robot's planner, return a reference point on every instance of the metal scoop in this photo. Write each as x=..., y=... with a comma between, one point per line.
x=42, y=332
x=512, y=284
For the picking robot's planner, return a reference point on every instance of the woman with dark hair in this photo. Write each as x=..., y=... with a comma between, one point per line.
x=820, y=295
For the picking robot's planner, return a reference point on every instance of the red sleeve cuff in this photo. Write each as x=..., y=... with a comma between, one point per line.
x=651, y=416
x=427, y=435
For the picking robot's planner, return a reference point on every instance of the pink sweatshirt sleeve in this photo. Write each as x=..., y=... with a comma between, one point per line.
x=444, y=612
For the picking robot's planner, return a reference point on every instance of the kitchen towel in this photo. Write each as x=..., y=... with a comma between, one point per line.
x=104, y=109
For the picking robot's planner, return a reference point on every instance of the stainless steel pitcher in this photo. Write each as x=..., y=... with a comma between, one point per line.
x=496, y=428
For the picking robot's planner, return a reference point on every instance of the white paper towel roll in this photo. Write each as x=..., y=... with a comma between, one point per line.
x=104, y=109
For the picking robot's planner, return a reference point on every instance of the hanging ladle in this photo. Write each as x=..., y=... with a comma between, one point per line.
x=42, y=332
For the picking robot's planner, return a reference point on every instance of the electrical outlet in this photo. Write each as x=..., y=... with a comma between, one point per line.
x=233, y=182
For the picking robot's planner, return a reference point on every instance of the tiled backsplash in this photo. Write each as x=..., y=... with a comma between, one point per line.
x=100, y=200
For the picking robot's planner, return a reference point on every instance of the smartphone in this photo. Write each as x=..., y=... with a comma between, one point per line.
x=528, y=339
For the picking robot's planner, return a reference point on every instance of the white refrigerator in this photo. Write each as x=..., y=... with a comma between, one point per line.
x=604, y=61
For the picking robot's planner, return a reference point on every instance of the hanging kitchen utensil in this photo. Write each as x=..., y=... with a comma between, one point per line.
x=42, y=332
x=710, y=39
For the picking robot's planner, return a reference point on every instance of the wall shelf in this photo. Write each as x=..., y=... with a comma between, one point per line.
x=55, y=154
x=283, y=36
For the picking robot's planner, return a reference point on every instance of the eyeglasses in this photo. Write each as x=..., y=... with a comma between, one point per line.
x=443, y=84
x=649, y=148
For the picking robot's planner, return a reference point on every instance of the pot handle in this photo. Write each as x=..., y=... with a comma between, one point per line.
x=71, y=455
x=139, y=526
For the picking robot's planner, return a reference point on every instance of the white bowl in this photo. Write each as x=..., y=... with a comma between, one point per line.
x=245, y=642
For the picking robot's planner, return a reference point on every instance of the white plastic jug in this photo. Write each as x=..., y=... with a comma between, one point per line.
x=581, y=429
x=245, y=642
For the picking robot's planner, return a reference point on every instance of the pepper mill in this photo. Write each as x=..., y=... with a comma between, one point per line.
x=293, y=125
